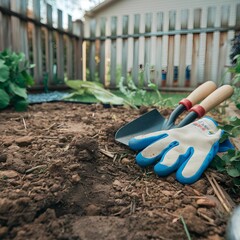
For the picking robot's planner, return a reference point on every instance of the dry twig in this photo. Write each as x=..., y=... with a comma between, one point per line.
x=219, y=193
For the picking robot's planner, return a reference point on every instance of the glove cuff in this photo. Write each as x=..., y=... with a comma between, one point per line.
x=207, y=124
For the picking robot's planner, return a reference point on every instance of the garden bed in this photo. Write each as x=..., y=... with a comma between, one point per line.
x=62, y=176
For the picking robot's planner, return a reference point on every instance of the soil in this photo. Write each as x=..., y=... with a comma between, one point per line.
x=63, y=176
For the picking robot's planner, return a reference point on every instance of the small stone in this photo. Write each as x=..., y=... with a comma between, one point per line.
x=126, y=161
x=55, y=187
x=74, y=166
x=8, y=174
x=167, y=193
x=215, y=237
x=207, y=202
x=92, y=210
x=3, y=231
x=76, y=178
x=14, y=147
x=5, y=205
x=3, y=157
x=200, y=186
x=117, y=185
x=24, y=141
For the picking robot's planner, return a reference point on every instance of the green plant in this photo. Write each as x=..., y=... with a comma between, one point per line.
x=14, y=79
x=129, y=89
x=235, y=70
x=229, y=163
x=235, y=49
x=94, y=89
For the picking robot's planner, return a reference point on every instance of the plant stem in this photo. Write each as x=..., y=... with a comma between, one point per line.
x=185, y=228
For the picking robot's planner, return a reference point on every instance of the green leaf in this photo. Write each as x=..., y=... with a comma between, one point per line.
x=233, y=172
x=218, y=164
x=4, y=71
x=21, y=106
x=78, y=84
x=97, y=90
x=4, y=99
x=28, y=78
x=21, y=92
x=110, y=98
x=236, y=182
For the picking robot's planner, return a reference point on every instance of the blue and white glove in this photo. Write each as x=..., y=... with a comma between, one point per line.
x=187, y=150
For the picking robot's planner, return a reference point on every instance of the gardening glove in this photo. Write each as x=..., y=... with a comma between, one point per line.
x=189, y=149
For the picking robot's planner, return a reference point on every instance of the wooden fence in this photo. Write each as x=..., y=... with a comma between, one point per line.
x=202, y=52
x=181, y=52
x=55, y=51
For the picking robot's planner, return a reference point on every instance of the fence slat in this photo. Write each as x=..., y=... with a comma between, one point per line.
x=183, y=49
x=102, y=69
x=113, y=65
x=49, y=46
x=124, y=47
x=37, y=47
x=78, y=51
x=23, y=30
x=196, y=48
x=159, y=46
x=238, y=15
x=135, y=68
x=170, y=62
x=15, y=26
x=5, y=36
x=147, y=49
x=69, y=47
x=60, y=48
x=223, y=43
x=211, y=17
x=92, y=63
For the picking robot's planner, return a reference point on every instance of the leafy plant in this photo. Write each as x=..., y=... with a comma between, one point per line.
x=132, y=92
x=235, y=70
x=235, y=49
x=14, y=79
x=94, y=89
x=229, y=163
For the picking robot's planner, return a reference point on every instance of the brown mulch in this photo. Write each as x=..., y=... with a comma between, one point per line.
x=63, y=176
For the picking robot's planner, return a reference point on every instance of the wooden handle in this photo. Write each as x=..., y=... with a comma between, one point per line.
x=217, y=97
x=201, y=92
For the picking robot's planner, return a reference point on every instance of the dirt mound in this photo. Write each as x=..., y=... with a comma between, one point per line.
x=62, y=176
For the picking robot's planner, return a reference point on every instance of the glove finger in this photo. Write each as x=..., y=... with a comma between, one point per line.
x=142, y=141
x=155, y=151
x=192, y=169
x=172, y=159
